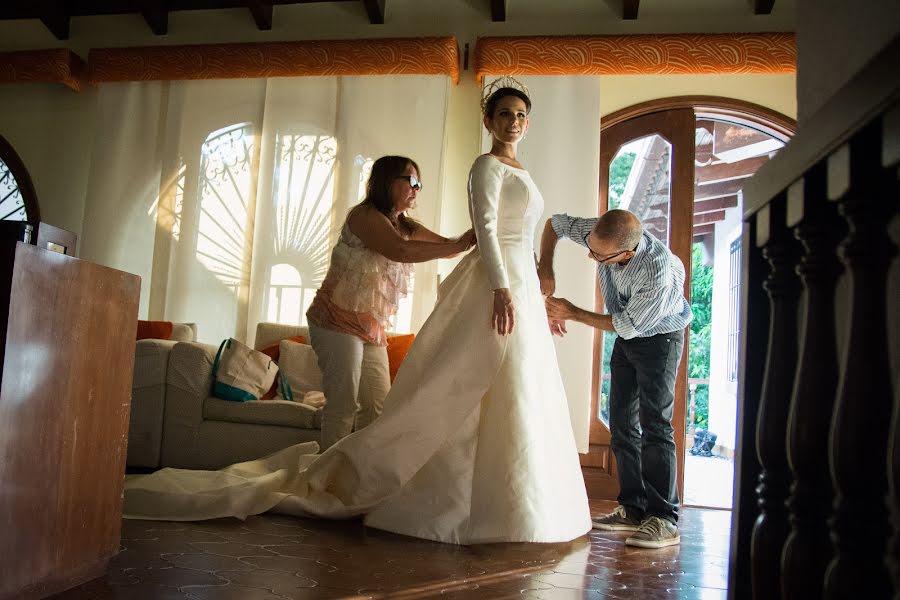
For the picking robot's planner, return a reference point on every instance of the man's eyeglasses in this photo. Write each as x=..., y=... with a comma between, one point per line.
x=597, y=257
x=414, y=181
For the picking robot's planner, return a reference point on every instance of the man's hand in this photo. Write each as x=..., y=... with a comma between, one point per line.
x=547, y=279
x=560, y=309
x=557, y=327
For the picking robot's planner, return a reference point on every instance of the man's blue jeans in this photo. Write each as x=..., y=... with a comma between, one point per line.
x=641, y=402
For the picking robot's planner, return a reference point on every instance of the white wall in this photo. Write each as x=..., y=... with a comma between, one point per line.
x=776, y=92
x=51, y=129
x=722, y=393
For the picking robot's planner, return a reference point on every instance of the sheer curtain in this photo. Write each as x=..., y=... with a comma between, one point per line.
x=562, y=152
x=227, y=195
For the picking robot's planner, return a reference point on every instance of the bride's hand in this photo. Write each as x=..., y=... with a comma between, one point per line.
x=503, y=318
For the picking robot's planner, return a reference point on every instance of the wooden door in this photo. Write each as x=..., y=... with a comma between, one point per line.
x=655, y=134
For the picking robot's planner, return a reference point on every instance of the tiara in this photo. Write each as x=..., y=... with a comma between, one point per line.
x=502, y=82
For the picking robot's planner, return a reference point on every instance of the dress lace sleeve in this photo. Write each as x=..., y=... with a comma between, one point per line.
x=485, y=180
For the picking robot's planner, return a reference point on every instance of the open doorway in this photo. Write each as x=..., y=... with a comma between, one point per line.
x=680, y=165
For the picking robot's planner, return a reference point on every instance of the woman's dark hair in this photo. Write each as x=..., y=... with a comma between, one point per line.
x=385, y=171
x=491, y=104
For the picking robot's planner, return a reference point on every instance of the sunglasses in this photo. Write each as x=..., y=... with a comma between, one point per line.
x=414, y=181
x=597, y=257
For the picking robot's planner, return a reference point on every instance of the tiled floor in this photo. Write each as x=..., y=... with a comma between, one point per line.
x=273, y=557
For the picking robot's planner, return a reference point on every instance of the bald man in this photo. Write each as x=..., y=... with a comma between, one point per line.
x=643, y=286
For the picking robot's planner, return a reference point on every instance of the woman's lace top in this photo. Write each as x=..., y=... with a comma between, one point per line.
x=361, y=291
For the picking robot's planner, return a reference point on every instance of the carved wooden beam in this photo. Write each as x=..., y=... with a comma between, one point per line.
x=262, y=13
x=763, y=7
x=630, y=9
x=498, y=11
x=375, y=8
x=156, y=15
x=55, y=18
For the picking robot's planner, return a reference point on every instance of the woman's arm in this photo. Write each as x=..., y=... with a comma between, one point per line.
x=422, y=233
x=379, y=235
x=485, y=181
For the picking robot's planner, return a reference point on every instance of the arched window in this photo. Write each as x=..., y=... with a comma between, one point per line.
x=226, y=184
x=18, y=201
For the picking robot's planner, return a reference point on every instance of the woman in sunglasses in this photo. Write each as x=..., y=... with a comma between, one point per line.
x=368, y=276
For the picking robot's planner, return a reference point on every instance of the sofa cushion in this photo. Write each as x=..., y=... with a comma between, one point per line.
x=154, y=330
x=184, y=332
x=300, y=364
x=397, y=348
x=272, y=412
x=151, y=359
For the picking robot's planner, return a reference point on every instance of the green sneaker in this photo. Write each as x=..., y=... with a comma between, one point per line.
x=654, y=533
x=617, y=520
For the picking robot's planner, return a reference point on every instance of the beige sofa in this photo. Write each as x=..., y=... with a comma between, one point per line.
x=151, y=358
x=176, y=423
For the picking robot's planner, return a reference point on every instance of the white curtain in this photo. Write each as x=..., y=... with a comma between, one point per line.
x=562, y=152
x=226, y=196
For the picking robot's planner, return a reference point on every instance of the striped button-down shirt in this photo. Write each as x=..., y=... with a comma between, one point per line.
x=644, y=297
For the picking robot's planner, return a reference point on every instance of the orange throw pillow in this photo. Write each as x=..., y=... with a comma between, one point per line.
x=274, y=352
x=397, y=347
x=154, y=330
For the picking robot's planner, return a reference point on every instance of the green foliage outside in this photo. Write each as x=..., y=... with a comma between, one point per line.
x=698, y=359
x=619, y=169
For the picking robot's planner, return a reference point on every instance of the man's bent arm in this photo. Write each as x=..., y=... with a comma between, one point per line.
x=548, y=246
x=595, y=320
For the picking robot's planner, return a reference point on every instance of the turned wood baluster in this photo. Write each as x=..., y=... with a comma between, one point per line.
x=751, y=363
x=771, y=528
x=890, y=157
x=808, y=549
x=859, y=434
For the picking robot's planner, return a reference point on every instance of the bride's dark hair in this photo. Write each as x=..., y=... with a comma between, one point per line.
x=378, y=188
x=490, y=105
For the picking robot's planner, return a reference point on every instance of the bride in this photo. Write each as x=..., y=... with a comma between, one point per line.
x=475, y=443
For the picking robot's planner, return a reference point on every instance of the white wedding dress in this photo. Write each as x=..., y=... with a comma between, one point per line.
x=475, y=443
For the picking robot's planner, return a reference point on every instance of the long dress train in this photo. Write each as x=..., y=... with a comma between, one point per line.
x=475, y=443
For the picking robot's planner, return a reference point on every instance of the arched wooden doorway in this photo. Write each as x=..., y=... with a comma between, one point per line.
x=679, y=164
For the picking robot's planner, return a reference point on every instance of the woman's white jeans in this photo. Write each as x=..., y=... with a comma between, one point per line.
x=356, y=379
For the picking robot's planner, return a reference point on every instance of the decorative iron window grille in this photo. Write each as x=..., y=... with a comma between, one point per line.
x=12, y=205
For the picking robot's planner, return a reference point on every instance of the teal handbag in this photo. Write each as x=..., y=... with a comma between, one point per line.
x=241, y=373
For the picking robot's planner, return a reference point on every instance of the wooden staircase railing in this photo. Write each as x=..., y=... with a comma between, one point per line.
x=817, y=486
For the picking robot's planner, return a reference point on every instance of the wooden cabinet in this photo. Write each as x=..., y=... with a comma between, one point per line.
x=64, y=402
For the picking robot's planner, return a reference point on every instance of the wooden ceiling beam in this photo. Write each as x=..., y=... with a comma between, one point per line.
x=735, y=170
x=262, y=13
x=55, y=18
x=630, y=9
x=763, y=7
x=498, y=11
x=715, y=204
x=705, y=229
x=719, y=189
x=375, y=9
x=156, y=14
x=709, y=217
